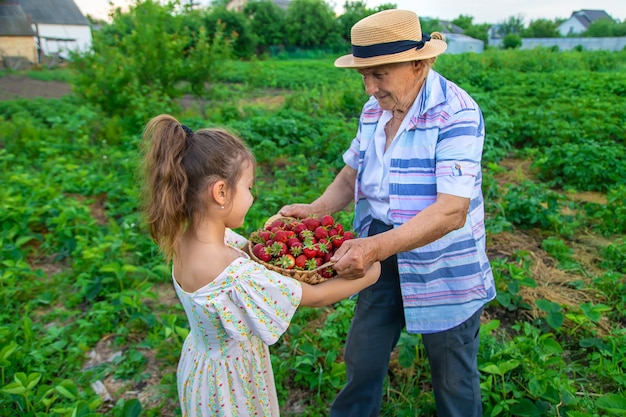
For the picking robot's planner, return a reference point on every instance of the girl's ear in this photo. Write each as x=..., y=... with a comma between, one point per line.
x=218, y=192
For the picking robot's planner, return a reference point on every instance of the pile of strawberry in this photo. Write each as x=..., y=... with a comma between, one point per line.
x=300, y=244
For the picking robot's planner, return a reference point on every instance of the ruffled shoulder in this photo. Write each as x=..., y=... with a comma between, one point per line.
x=252, y=300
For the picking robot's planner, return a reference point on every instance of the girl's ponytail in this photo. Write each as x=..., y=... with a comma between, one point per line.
x=165, y=181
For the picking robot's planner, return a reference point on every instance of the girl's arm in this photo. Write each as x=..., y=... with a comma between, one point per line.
x=336, y=289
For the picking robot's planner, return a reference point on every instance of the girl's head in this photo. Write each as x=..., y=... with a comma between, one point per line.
x=188, y=174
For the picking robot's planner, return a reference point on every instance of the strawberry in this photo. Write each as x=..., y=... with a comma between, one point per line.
x=266, y=235
x=339, y=228
x=338, y=241
x=328, y=272
x=305, y=234
x=281, y=236
x=322, y=249
x=292, y=241
x=287, y=261
x=348, y=235
x=295, y=248
x=320, y=233
x=310, y=249
x=277, y=223
x=327, y=220
x=313, y=263
x=332, y=232
x=262, y=252
x=278, y=249
x=301, y=261
x=299, y=227
x=311, y=223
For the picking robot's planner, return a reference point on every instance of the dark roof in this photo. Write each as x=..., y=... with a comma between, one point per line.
x=587, y=17
x=13, y=21
x=55, y=12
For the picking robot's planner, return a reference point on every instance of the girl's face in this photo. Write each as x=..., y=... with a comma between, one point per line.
x=242, y=197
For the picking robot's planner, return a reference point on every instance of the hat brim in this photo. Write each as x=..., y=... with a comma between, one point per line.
x=432, y=48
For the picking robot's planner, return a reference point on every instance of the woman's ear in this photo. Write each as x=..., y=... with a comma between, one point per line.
x=218, y=192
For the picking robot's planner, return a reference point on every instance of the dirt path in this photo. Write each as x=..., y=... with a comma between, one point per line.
x=13, y=87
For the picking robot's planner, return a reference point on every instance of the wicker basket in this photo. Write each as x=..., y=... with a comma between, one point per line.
x=312, y=276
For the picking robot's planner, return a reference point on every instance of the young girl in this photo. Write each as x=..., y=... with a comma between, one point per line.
x=197, y=188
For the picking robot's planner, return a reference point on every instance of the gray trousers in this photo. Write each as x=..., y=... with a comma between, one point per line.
x=374, y=332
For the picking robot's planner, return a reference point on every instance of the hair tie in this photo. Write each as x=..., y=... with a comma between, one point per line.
x=187, y=130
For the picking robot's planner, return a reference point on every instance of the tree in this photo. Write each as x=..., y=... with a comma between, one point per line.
x=479, y=32
x=515, y=24
x=541, y=28
x=267, y=23
x=512, y=41
x=141, y=61
x=311, y=24
x=353, y=12
x=603, y=28
x=463, y=21
x=235, y=26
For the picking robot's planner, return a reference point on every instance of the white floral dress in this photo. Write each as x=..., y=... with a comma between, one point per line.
x=224, y=368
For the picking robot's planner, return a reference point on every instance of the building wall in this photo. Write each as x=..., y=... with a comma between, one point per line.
x=18, y=46
x=588, y=44
x=78, y=38
x=570, y=26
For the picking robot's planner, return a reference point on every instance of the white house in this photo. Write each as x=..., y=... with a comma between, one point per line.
x=580, y=21
x=59, y=26
x=458, y=44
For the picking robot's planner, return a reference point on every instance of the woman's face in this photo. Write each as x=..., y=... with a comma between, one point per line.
x=395, y=86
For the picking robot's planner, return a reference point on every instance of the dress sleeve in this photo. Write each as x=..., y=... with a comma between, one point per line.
x=259, y=302
x=234, y=239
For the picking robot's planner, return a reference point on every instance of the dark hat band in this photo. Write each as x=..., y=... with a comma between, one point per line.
x=388, y=48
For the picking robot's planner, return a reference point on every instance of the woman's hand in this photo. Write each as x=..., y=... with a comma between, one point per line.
x=355, y=257
x=299, y=211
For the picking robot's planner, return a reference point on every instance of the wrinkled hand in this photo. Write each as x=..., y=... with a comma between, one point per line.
x=299, y=211
x=354, y=258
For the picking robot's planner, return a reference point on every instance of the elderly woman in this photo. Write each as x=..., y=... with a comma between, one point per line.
x=414, y=172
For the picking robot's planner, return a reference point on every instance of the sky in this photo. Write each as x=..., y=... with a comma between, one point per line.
x=483, y=11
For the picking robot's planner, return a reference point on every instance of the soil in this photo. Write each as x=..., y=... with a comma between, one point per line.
x=13, y=87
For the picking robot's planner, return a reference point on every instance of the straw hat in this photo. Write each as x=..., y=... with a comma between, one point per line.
x=387, y=37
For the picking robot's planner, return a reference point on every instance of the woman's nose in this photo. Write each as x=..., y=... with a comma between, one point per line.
x=370, y=86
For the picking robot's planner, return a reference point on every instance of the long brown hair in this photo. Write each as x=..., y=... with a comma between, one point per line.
x=178, y=166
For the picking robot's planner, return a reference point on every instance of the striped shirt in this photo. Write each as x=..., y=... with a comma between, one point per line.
x=440, y=150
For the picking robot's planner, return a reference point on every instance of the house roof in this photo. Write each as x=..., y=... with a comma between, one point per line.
x=13, y=20
x=587, y=17
x=449, y=27
x=55, y=12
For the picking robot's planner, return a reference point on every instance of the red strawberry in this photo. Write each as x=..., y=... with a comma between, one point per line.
x=262, y=252
x=299, y=227
x=266, y=235
x=322, y=249
x=301, y=261
x=292, y=241
x=311, y=223
x=287, y=261
x=328, y=272
x=278, y=249
x=281, y=236
x=320, y=233
x=339, y=228
x=327, y=220
x=332, y=232
x=310, y=249
x=313, y=263
x=295, y=248
x=277, y=223
x=348, y=235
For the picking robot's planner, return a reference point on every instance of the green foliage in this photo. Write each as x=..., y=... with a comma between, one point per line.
x=570, y=165
x=312, y=24
x=267, y=23
x=541, y=28
x=146, y=56
x=511, y=41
